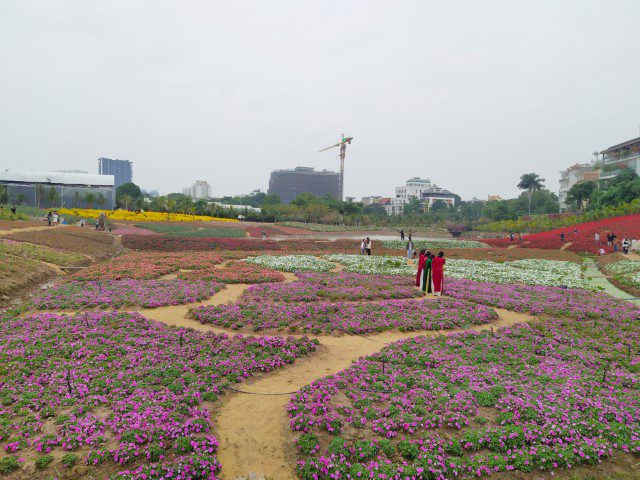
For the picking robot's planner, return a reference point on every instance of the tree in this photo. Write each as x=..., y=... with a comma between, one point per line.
x=623, y=188
x=130, y=189
x=52, y=196
x=530, y=182
x=20, y=198
x=40, y=193
x=77, y=198
x=271, y=199
x=4, y=194
x=89, y=199
x=439, y=205
x=100, y=199
x=580, y=194
x=412, y=207
x=125, y=200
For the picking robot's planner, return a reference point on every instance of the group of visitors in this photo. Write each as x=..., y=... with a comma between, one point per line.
x=54, y=217
x=430, y=275
x=626, y=245
x=365, y=246
x=402, y=235
x=512, y=236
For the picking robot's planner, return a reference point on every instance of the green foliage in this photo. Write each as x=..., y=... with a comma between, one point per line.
x=69, y=460
x=43, y=461
x=307, y=443
x=9, y=464
x=581, y=193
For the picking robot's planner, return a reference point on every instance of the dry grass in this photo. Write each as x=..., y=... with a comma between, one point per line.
x=17, y=273
x=71, y=239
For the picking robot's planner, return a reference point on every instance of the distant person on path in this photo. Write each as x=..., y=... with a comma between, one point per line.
x=363, y=246
x=597, y=238
x=562, y=237
x=616, y=245
x=421, y=261
x=368, y=246
x=520, y=236
x=511, y=236
x=264, y=235
x=410, y=233
x=409, y=249
x=13, y=209
x=49, y=218
x=609, y=239
x=601, y=251
x=82, y=222
x=402, y=235
x=575, y=231
x=427, y=281
x=437, y=271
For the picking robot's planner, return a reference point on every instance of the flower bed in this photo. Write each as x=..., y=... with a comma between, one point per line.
x=146, y=265
x=115, y=391
x=373, y=265
x=352, y=318
x=530, y=271
x=194, y=230
x=166, y=243
x=132, y=230
x=292, y=263
x=17, y=273
x=433, y=244
x=312, y=287
x=124, y=293
x=235, y=272
x=523, y=399
x=584, y=240
x=579, y=304
x=141, y=216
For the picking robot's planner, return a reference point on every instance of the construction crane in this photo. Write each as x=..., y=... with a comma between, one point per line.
x=343, y=153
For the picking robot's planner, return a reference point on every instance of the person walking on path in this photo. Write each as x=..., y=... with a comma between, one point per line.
x=363, y=246
x=409, y=249
x=597, y=238
x=368, y=243
x=437, y=271
x=402, y=235
x=421, y=261
x=616, y=245
x=427, y=281
x=562, y=237
x=511, y=236
x=625, y=245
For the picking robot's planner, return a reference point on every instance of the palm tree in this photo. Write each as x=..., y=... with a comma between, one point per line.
x=52, y=196
x=76, y=199
x=40, y=193
x=89, y=198
x=125, y=200
x=531, y=182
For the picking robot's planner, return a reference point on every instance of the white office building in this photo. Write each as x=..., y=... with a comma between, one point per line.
x=201, y=190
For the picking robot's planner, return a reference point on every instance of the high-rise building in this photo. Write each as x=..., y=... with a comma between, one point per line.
x=201, y=190
x=288, y=184
x=120, y=169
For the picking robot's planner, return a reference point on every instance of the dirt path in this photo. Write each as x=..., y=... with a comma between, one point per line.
x=26, y=229
x=566, y=245
x=253, y=430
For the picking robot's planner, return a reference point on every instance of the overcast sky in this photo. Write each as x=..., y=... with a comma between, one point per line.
x=470, y=94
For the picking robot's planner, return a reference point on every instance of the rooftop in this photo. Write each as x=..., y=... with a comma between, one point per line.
x=622, y=145
x=60, y=178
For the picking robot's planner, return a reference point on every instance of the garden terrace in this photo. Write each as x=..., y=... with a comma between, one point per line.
x=18, y=273
x=313, y=287
x=43, y=254
x=622, y=272
x=124, y=293
x=70, y=239
x=199, y=229
x=345, y=317
x=147, y=265
x=511, y=254
x=433, y=244
x=292, y=263
x=555, y=395
x=584, y=240
x=166, y=243
x=116, y=215
x=100, y=393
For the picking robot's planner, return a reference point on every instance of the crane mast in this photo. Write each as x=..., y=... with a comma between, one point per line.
x=343, y=153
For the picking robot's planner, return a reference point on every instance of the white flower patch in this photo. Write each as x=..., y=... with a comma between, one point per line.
x=292, y=263
x=623, y=266
x=373, y=265
x=433, y=244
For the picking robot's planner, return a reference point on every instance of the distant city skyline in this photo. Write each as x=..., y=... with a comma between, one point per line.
x=471, y=93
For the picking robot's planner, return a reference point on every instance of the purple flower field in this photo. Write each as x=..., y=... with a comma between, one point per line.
x=313, y=287
x=536, y=300
x=115, y=392
x=352, y=318
x=553, y=395
x=125, y=293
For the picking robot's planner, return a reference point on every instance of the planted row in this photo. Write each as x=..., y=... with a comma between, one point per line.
x=351, y=318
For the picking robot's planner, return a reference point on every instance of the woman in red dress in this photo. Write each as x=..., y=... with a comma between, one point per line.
x=437, y=272
x=421, y=261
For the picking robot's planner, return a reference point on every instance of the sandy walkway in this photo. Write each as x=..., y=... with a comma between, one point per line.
x=253, y=430
x=26, y=229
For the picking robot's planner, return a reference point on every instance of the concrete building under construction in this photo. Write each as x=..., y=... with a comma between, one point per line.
x=288, y=184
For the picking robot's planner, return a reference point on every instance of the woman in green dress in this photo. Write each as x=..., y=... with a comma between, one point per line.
x=426, y=273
